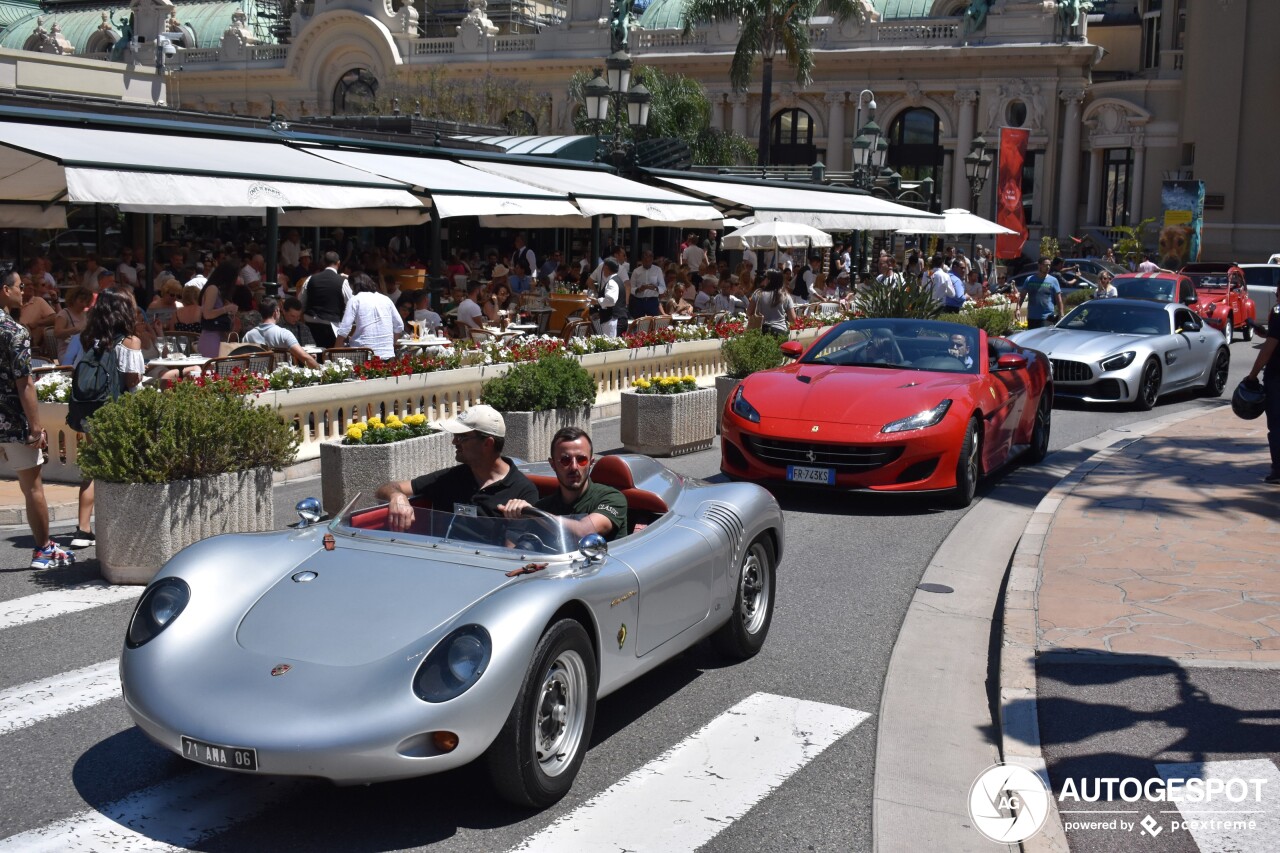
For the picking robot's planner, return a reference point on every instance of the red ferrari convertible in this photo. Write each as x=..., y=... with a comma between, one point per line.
x=890, y=405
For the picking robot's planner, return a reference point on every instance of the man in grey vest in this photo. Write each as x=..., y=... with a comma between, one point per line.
x=324, y=299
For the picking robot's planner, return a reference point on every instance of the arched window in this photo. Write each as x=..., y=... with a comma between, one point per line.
x=792, y=139
x=520, y=123
x=356, y=93
x=914, y=150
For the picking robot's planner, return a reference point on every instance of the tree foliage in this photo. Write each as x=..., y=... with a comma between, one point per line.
x=489, y=99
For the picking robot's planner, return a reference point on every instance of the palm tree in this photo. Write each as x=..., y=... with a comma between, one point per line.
x=766, y=26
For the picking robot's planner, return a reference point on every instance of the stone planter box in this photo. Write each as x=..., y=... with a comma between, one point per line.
x=724, y=387
x=142, y=525
x=529, y=433
x=347, y=469
x=669, y=424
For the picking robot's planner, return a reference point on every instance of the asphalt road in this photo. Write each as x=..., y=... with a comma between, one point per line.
x=851, y=568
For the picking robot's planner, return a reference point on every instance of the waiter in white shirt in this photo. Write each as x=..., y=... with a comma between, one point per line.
x=606, y=297
x=648, y=285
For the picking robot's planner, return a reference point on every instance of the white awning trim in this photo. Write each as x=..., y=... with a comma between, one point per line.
x=374, y=217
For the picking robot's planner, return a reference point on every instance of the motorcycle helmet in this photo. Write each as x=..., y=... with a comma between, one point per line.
x=1250, y=399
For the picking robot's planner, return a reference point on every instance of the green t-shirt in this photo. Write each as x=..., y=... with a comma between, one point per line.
x=605, y=500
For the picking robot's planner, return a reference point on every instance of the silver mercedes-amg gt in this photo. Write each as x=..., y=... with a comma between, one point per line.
x=1131, y=351
x=350, y=652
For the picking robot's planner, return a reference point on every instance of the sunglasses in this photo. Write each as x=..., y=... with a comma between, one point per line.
x=567, y=460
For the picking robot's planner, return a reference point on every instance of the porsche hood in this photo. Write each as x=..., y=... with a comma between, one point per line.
x=823, y=393
x=360, y=606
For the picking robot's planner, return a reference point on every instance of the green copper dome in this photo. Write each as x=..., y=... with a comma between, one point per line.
x=207, y=19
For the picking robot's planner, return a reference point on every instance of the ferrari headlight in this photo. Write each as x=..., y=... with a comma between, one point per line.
x=456, y=663
x=919, y=420
x=1119, y=360
x=159, y=606
x=743, y=409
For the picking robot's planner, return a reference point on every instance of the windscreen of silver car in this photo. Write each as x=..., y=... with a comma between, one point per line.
x=162, y=603
x=456, y=663
x=919, y=420
x=1118, y=361
x=743, y=409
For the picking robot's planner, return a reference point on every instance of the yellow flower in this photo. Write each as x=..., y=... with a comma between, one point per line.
x=687, y=378
x=642, y=383
x=355, y=433
x=668, y=381
x=376, y=424
x=394, y=421
x=375, y=421
x=415, y=420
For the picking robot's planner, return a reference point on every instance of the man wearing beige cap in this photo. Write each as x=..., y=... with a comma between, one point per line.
x=481, y=481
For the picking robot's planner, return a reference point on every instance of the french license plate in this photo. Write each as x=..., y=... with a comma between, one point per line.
x=216, y=755
x=805, y=474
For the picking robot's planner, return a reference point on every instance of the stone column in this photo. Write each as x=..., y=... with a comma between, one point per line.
x=739, y=101
x=1139, y=144
x=717, y=110
x=835, y=130
x=1093, y=214
x=1069, y=183
x=965, y=99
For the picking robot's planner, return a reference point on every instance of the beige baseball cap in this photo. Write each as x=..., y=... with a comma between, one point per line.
x=480, y=418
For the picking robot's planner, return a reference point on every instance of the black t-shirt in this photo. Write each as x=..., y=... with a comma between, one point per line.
x=451, y=488
x=1273, y=331
x=600, y=498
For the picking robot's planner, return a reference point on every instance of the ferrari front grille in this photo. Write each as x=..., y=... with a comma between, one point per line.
x=845, y=458
x=1071, y=371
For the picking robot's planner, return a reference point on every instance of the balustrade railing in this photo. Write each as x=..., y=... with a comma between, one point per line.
x=654, y=39
x=513, y=44
x=200, y=55
x=431, y=47
x=926, y=31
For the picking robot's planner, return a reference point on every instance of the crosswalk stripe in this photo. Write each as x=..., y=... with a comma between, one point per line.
x=1221, y=826
x=689, y=794
x=59, y=602
x=175, y=814
x=30, y=703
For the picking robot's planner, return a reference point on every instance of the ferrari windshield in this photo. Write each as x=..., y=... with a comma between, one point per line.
x=536, y=533
x=1121, y=318
x=898, y=343
x=1158, y=289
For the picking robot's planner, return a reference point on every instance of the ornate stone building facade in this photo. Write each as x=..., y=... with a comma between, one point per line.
x=1116, y=99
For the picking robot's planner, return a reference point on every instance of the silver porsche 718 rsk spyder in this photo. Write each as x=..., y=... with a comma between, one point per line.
x=1131, y=351
x=351, y=652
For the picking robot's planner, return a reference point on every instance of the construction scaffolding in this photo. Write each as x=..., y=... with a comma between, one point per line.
x=441, y=18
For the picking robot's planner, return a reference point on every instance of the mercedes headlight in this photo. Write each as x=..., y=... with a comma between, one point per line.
x=159, y=606
x=743, y=409
x=456, y=663
x=919, y=420
x=1119, y=360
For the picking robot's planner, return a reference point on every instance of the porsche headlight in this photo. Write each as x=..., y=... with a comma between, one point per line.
x=1119, y=360
x=919, y=420
x=456, y=663
x=156, y=610
x=743, y=409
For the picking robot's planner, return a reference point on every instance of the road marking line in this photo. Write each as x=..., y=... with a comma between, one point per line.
x=30, y=703
x=689, y=794
x=59, y=602
x=1224, y=827
x=175, y=814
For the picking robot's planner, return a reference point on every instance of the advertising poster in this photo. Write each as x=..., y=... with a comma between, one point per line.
x=1013, y=152
x=1183, y=204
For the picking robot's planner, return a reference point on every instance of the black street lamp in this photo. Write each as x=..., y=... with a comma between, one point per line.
x=977, y=168
x=613, y=93
x=870, y=147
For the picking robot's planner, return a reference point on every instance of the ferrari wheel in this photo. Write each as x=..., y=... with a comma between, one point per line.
x=1040, y=432
x=743, y=635
x=1148, y=387
x=536, y=756
x=1229, y=330
x=968, y=468
x=1218, y=374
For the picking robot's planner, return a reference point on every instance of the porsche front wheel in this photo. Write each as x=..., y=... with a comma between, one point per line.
x=968, y=467
x=743, y=635
x=536, y=756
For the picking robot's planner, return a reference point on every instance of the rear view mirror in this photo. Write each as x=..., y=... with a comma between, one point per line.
x=792, y=349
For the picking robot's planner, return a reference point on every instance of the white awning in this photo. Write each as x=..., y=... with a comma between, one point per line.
x=33, y=216
x=373, y=217
x=957, y=221
x=455, y=189
x=171, y=173
x=598, y=192
x=823, y=207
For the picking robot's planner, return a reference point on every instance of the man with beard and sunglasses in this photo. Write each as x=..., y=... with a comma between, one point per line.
x=596, y=508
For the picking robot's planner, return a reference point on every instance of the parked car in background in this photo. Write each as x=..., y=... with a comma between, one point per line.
x=1224, y=303
x=1261, y=280
x=1093, y=267
x=1207, y=272
x=79, y=243
x=1157, y=286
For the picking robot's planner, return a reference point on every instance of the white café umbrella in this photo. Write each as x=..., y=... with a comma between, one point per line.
x=957, y=222
x=775, y=235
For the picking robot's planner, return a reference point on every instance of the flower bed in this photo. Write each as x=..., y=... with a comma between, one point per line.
x=375, y=431
x=54, y=388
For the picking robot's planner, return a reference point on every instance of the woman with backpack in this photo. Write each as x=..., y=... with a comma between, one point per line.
x=109, y=326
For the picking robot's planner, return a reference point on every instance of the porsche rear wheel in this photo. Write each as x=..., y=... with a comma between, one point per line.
x=1217, y=382
x=1148, y=387
x=743, y=635
x=536, y=756
x=968, y=467
x=1040, y=431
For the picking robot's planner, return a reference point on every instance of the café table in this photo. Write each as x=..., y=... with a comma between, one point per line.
x=424, y=342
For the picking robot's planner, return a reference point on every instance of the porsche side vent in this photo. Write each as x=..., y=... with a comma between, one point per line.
x=727, y=520
x=1070, y=371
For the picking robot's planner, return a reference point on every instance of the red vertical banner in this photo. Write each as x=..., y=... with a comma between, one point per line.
x=1013, y=153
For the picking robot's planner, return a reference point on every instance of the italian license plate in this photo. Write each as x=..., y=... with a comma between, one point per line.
x=217, y=755
x=805, y=474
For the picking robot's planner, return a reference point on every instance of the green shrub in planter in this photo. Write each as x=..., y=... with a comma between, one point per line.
x=184, y=433
x=913, y=300
x=750, y=352
x=551, y=382
x=1076, y=297
x=995, y=320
